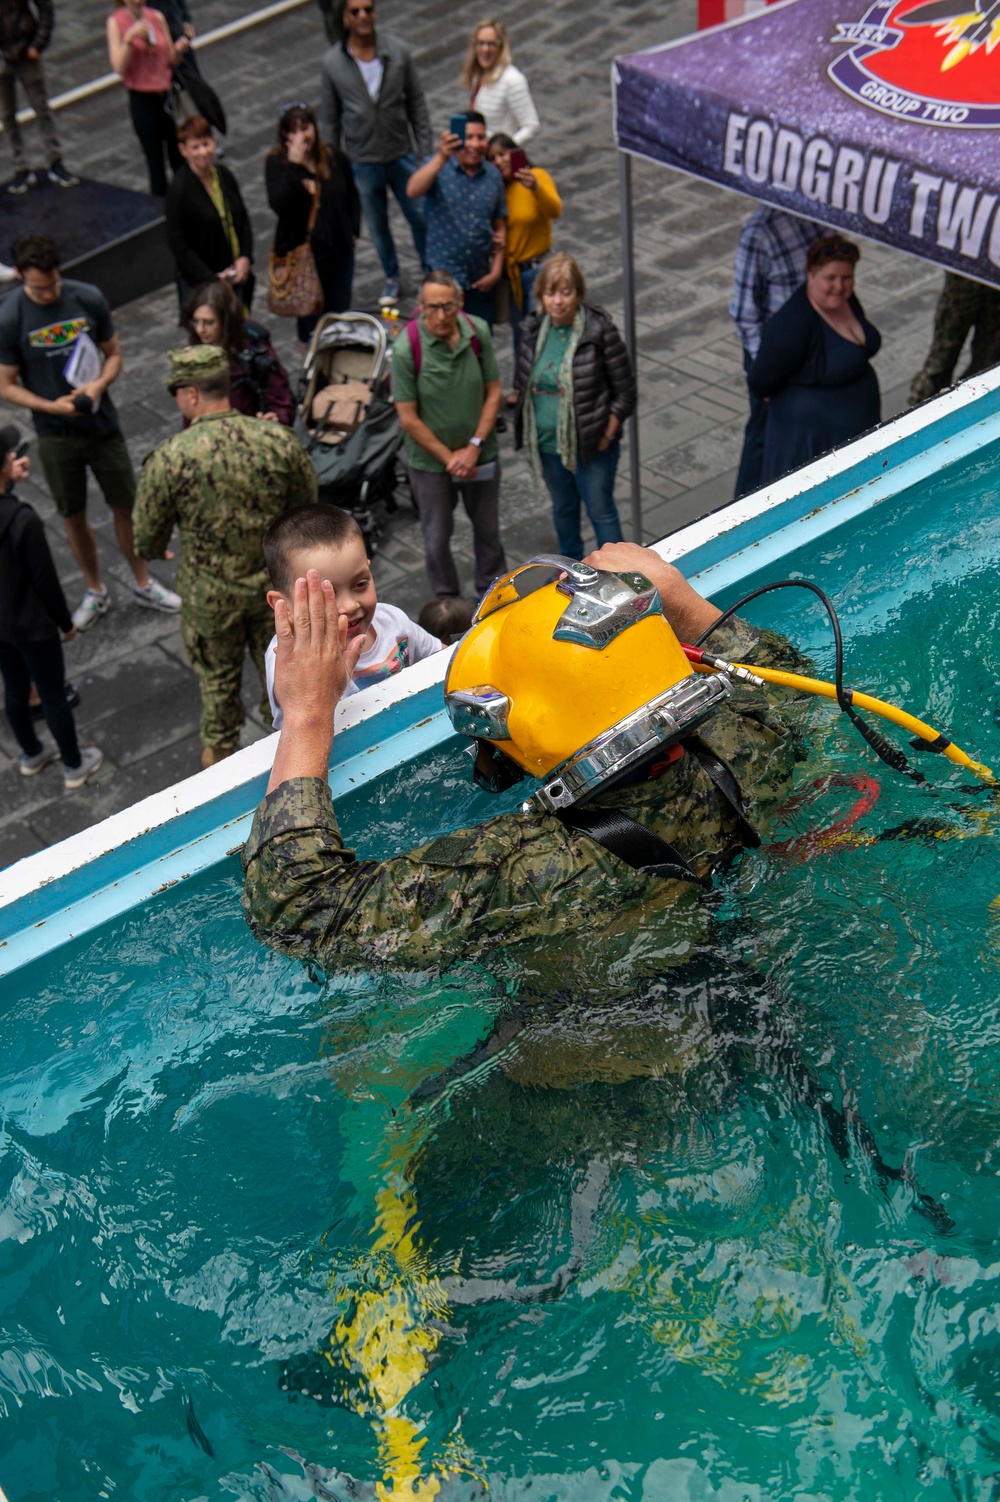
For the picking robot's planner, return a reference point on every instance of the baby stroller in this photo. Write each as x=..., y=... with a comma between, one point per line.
x=346, y=421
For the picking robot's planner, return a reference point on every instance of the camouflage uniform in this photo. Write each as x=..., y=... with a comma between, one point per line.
x=222, y=482
x=963, y=305
x=522, y=877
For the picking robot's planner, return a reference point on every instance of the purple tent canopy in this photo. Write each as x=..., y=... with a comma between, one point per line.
x=884, y=122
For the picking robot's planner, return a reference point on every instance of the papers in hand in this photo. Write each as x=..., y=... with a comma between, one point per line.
x=84, y=364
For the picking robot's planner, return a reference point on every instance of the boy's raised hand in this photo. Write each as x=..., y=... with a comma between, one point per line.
x=313, y=664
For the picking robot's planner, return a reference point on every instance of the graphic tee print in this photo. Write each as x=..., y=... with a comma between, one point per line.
x=39, y=341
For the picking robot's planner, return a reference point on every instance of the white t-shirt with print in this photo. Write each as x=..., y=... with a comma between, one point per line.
x=399, y=642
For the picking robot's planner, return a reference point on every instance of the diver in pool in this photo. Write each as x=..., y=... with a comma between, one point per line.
x=652, y=778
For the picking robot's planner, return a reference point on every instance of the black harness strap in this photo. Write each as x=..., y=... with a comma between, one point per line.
x=631, y=842
x=643, y=850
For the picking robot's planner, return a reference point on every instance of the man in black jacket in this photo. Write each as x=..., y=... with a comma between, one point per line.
x=34, y=622
x=25, y=29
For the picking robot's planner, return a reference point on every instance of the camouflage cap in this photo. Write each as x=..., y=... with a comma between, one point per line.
x=196, y=362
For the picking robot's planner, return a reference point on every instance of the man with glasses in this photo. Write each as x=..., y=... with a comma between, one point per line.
x=373, y=109
x=59, y=354
x=221, y=482
x=466, y=208
x=446, y=386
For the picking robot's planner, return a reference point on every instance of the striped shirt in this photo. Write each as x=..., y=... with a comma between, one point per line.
x=770, y=266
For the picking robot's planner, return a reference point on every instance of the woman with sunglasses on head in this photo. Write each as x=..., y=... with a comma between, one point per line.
x=813, y=368
x=498, y=90
x=302, y=174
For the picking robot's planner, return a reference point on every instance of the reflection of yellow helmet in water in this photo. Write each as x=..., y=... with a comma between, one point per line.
x=579, y=676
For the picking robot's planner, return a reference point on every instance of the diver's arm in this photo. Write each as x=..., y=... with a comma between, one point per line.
x=688, y=612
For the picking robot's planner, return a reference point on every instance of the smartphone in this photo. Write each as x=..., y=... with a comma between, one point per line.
x=22, y=448
x=518, y=162
x=457, y=126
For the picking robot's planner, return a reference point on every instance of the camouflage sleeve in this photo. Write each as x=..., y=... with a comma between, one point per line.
x=303, y=487
x=155, y=512
x=309, y=897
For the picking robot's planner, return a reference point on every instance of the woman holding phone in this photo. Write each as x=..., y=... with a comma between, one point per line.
x=497, y=89
x=141, y=52
x=532, y=204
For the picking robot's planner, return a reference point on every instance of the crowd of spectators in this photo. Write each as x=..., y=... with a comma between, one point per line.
x=482, y=218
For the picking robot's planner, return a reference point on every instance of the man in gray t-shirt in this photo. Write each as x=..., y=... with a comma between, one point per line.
x=52, y=330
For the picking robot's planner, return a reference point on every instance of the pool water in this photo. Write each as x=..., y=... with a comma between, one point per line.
x=261, y=1234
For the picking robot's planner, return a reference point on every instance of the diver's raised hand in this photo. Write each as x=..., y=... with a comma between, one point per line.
x=688, y=612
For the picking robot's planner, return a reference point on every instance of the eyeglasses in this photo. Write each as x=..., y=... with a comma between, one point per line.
x=439, y=307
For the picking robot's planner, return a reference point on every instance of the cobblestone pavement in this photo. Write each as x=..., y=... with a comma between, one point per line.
x=139, y=697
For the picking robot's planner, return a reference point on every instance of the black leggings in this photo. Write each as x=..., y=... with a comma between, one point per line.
x=157, y=132
x=41, y=661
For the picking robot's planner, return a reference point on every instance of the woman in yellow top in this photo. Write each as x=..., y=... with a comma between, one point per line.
x=532, y=204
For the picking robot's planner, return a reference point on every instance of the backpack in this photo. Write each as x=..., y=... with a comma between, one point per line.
x=413, y=334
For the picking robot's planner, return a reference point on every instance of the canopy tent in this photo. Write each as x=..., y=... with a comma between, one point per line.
x=883, y=122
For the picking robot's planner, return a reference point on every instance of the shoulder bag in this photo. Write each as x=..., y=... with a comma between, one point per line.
x=295, y=290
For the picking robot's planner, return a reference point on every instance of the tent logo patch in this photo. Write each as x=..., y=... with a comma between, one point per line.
x=929, y=61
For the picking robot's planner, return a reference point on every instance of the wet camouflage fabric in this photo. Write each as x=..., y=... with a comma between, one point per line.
x=963, y=305
x=524, y=878
x=222, y=482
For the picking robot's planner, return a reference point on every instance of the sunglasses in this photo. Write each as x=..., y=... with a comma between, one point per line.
x=837, y=250
x=293, y=104
x=176, y=386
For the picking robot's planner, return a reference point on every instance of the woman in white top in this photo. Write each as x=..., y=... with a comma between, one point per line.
x=497, y=89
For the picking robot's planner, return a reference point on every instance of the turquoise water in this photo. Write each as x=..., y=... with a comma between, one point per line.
x=208, y=1159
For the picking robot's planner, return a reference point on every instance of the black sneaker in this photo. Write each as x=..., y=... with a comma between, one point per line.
x=22, y=181
x=59, y=175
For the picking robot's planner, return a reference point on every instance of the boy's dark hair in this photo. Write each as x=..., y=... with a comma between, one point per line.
x=35, y=253
x=447, y=618
x=316, y=526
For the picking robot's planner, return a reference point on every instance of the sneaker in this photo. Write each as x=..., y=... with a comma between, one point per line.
x=95, y=603
x=32, y=765
x=157, y=596
x=7, y=273
x=22, y=181
x=390, y=292
x=72, y=699
x=61, y=176
x=91, y=758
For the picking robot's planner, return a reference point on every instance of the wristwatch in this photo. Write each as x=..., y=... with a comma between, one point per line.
x=475, y=443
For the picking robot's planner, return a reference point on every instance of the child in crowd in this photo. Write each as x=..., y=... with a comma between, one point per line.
x=330, y=541
x=34, y=622
x=449, y=617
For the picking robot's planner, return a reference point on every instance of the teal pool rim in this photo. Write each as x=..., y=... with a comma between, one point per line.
x=67, y=890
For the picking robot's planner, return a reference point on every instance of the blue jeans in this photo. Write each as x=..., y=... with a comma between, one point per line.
x=373, y=180
x=594, y=485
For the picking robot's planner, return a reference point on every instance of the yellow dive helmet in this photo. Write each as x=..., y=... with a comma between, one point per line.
x=573, y=674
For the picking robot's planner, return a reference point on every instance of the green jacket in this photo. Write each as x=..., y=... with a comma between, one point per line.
x=523, y=878
x=221, y=482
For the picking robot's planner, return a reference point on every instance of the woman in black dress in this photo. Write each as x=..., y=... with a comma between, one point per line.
x=298, y=168
x=813, y=364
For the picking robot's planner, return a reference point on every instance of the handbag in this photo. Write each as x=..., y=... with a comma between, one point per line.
x=295, y=290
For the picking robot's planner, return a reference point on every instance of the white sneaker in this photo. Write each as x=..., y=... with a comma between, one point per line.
x=91, y=758
x=95, y=603
x=157, y=596
x=32, y=765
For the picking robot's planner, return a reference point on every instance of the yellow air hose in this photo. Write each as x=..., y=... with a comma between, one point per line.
x=890, y=712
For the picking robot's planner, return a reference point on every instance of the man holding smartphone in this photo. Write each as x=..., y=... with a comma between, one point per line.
x=373, y=109
x=466, y=210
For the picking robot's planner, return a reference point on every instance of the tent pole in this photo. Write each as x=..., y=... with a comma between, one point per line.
x=628, y=308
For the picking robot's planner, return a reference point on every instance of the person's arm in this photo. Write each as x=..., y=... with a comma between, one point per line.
x=426, y=174
x=416, y=108
x=748, y=304
x=181, y=225
x=35, y=551
x=487, y=282
x=620, y=376
x=175, y=50
x=353, y=198
x=547, y=198
x=414, y=427
x=42, y=32
x=120, y=46
x=785, y=346
x=688, y=612
x=329, y=109
x=12, y=391
x=110, y=371
x=278, y=397
x=521, y=106
x=155, y=511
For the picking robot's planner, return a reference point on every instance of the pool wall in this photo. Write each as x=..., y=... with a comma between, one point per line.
x=70, y=888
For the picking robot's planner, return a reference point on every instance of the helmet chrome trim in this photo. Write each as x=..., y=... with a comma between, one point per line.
x=602, y=604
x=479, y=712
x=658, y=724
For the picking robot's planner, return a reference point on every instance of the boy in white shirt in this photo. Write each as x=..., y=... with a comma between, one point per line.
x=330, y=541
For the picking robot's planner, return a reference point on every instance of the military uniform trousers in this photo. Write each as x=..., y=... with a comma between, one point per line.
x=962, y=305
x=216, y=640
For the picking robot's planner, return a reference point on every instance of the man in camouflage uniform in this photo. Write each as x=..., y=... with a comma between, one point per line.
x=522, y=877
x=963, y=305
x=221, y=482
